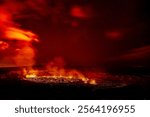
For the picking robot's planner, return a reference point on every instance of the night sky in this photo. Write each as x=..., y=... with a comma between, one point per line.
x=87, y=32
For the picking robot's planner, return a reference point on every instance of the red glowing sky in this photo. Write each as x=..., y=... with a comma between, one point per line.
x=86, y=33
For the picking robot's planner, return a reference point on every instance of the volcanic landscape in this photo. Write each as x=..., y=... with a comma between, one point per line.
x=74, y=49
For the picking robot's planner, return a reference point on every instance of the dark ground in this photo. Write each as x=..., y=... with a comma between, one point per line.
x=136, y=87
x=18, y=89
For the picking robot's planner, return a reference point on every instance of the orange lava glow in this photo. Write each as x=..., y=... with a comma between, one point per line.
x=55, y=73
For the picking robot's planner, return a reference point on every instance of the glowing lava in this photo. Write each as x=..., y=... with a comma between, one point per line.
x=60, y=74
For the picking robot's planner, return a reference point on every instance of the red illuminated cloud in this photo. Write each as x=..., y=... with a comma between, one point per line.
x=76, y=11
x=3, y=45
x=114, y=35
x=135, y=57
x=11, y=35
x=141, y=53
x=81, y=12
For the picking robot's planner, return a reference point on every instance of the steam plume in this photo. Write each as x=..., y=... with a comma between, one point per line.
x=18, y=41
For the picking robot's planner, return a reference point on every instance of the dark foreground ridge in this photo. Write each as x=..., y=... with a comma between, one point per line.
x=113, y=87
x=19, y=89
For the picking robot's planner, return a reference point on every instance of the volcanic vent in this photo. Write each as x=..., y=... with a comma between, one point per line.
x=17, y=48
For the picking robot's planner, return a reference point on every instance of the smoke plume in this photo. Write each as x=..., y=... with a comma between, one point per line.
x=13, y=39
